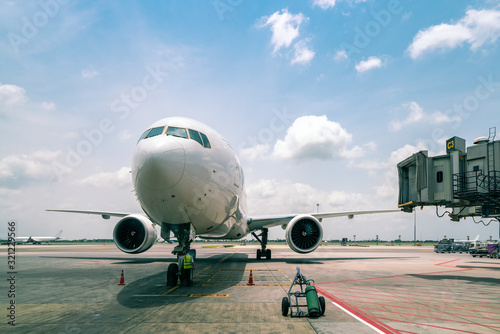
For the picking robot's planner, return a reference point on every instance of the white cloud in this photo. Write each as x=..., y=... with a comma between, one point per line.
x=369, y=64
x=285, y=28
x=315, y=137
x=115, y=179
x=417, y=115
x=302, y=53
x=19, y=169
x=88, y=74
x=257, y=152
x=324, y=4
x=12, y=95
x=341, y=55
x=48, y=105
x=270, y=196
x=477, y=27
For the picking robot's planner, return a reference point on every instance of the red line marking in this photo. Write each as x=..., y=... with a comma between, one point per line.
x=370, y=320
x=476, y=292
x=418, y=324
x=443, y=263
x=434, y=311
x=434, y=318
x=426, y=299
x=453, y=292
x=401, y=302
x=395, y=276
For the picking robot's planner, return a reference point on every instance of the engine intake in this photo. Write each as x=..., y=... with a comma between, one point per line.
x=304, y=234
x=134, y=234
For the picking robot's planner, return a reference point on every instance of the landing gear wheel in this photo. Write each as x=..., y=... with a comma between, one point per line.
x=268, y=254
x=322, y=304
x=172, y=274
x=259, y=254
x=285, y=305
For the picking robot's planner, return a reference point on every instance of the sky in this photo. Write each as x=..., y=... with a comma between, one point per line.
x=320, y=100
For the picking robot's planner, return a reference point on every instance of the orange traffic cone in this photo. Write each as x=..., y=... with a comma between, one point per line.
x=250, y=280
x=122, y=280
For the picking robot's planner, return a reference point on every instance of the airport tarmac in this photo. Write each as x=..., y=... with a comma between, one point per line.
x=398, y=289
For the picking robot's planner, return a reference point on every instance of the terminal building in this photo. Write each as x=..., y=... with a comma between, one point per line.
x=466, y=179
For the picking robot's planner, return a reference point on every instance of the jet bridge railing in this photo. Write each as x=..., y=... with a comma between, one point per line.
x=470, y=184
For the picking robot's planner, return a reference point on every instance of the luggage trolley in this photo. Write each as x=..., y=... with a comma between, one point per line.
x=295, y=300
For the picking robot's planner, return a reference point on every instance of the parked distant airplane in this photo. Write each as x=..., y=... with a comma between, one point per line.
x=189, y=181
x=477, y=238
x=38, y=240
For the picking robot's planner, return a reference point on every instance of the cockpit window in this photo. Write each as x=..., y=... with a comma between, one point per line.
x=195, y=136
x=155, y=132
x=177, y=132
x=206, y=143
x=144, y=135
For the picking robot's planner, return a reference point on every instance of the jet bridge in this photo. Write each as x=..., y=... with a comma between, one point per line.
x=465, y=179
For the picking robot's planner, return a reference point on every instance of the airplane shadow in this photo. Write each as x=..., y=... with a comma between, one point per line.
x=213, y=277
x=289, y=260
x=471, y=279
x=120, y=260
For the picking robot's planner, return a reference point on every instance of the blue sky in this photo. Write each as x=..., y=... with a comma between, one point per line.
x=320, y=99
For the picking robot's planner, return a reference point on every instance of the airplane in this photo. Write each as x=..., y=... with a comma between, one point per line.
x=476, y=239
x=38, y=240
x=189, y=181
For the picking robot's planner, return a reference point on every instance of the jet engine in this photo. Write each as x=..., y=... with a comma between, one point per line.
x=134, y=234
x=304, y=234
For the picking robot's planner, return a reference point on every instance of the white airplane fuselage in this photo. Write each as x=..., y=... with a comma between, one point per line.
x=180, y=180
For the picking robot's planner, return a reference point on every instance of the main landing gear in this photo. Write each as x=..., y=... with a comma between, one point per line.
x=174, y=272
x=263, y=252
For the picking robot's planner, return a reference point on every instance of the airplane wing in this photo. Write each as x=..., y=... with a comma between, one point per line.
x=104, y=215
x=260, y=222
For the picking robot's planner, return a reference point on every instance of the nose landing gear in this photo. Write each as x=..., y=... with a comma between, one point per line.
x=263, y=252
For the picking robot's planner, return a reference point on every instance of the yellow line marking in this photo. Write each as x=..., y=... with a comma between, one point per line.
x=169, y=290
x=190, y=295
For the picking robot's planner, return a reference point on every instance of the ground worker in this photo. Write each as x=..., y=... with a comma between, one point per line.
x=186, y=266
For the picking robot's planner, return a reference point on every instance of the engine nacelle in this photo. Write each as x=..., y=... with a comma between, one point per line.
x=304, y=234
x=134, y=234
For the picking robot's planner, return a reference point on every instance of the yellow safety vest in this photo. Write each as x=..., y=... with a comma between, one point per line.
x=187, y=262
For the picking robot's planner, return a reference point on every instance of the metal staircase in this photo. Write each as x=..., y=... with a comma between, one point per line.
x=481, y=188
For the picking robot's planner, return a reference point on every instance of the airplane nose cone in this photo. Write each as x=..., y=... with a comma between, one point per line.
x=160, y=162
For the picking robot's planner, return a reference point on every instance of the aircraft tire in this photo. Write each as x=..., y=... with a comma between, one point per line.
x=259, y=254
x=172, y=274
x=285, y=305
x=268, y=254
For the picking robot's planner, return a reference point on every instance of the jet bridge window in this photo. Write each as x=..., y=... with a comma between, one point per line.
x=439, y=177
x=155, y=132
x=177, y=132
x=195, y=135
